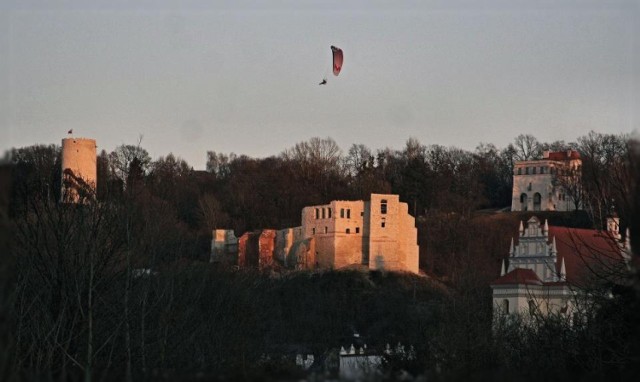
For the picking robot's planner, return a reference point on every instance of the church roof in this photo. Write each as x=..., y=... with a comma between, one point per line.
x=587, y=253
x=519, y=276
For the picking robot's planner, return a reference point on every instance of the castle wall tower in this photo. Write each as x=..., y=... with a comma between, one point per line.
x=79, y=170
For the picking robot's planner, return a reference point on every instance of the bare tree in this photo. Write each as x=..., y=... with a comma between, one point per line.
x=527, y=147
x=120, y=160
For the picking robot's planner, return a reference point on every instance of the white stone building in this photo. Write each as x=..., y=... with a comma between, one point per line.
x=547, y=184
x=549, y=266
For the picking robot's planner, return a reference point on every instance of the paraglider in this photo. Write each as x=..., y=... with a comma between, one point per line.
x=338, y=58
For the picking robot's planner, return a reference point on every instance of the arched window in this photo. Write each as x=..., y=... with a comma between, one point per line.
x=523, y=202
x=537, y=201
x=505, y=306
x=532, y=307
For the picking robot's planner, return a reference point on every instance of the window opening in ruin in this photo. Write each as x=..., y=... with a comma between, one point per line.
x=383, y=206
x=348, y=213
x=313, y=231
x=323, y=213
x=329, y=212
x=348, y=230
x=357, y=229
x=382, y=224
x=529, y=188
x=317, y=213
x=342, y=212
x=326, y=229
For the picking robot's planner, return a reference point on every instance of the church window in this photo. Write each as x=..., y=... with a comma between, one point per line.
x=532, y=307
x=383, y=206
x=505, y=306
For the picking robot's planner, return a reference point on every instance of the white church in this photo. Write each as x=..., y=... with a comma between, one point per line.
x=549, y=268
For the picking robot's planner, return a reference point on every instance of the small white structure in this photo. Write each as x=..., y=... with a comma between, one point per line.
x=548, y=266
x=358, y=364
x=547, y=184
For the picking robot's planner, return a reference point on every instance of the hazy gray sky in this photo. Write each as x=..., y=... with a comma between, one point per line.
x=242, y=76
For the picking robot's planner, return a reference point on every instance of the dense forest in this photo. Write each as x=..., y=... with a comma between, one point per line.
x=122, y=288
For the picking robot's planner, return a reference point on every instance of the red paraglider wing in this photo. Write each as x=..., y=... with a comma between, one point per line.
x=337, y=60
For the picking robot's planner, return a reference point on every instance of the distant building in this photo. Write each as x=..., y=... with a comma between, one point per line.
x=79, y=170
x=378, y=234
x=549, y=184
x=549, y=266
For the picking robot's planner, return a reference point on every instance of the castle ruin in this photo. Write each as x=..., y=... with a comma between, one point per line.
x=378, y=234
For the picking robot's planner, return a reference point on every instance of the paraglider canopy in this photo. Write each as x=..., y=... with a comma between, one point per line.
x=337, y=59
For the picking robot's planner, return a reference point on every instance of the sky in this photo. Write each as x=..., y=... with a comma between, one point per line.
x=242, y=76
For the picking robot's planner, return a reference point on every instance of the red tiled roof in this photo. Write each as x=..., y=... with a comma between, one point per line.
x=587, y=253
x=519, y=276
x=562, y=155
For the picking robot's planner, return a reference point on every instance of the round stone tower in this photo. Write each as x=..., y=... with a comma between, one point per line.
x=79, y=171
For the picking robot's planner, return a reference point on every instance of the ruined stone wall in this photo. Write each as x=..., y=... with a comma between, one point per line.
x=392, y=235
x=266, y=248
x=285, y=239
x=349, y=233
x=257, y=249
x=79, y=170
x=224, y=246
